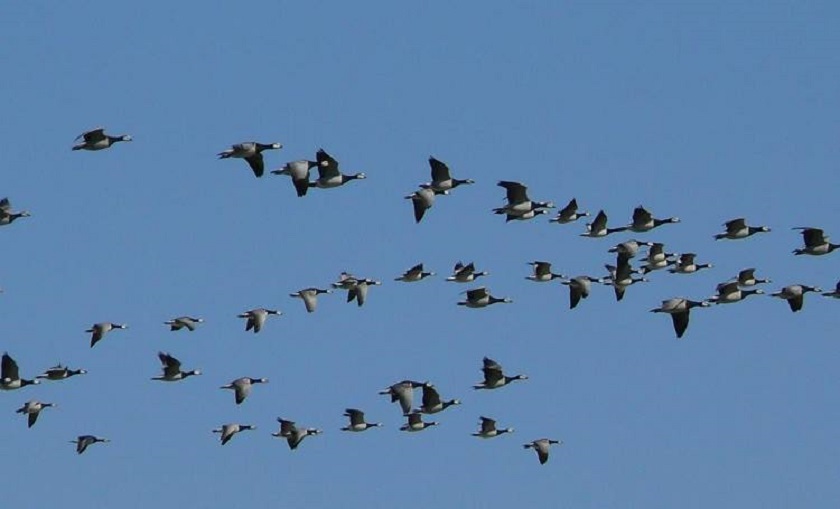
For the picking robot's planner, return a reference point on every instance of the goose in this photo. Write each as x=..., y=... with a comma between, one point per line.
x=188, y=322
x=643, y=221
x=432, y=403
x=480, y=298
x=628, y=249
x=293, y=435
x=738, y=229
x=59, y=372
x=542, y=272
x=10, y=375
x=299, y=171
x=32, y=409
x=620, y=277
x=541, y=447
x=657, y=258
x=569, y=213
x=531, y=214
x=96, y=139
x=98, y=330
x=579, y=288
x=404, y=393
x=328, y=174
x=309, y=297
x=6, y=214
x=414, y=274
x=441, y=179
x=242, y=387
x=172, y=369
x=834, y=293
x=679, y=310
x=747, y=278
x=357, y=288
x=686, y=265
x=228, y=430
x=251, y=151
x=422, y=200
x=816, y=243
x=83, y=441
x=415, y=423
x=465, y=273
x=357, y=421
x=729, y=292
x=255, y=318
x=518, y=202
x=795, y=295
x=598, y=227
x=489, y=430
x=494, y=377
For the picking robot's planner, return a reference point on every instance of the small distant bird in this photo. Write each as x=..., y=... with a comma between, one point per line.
x=328, y=174
x=255, y=318
x=251, y=151
x=579, y=288
x=835, y=293
x=518, y=202
x=309, y=297
x=441, y=179
x=795, y=295
x=414, y=274
x=488, y=429
x=628, y=249
x=816, y=242
x=480, y=298
x=686, y=265
x=729, y=292
x=747, y=278
x=96, y=139
x=188, y=322
x=620, y=277
x=172, y=369
x=657, y=258
x=357, y=421
x=738, y=229
x=228, y=430
x=293, y=435
x=6, y=214
x=299, y=171
x=415, y=423
x=569, y=213
x=32, y=409
x=404, y=393
x=679, y=309
x=432, y=403
x=357, y=288
x=10, y=375
x=59, y=372
x=542, y=272
x=422, y=200
x=598, y=227
x=465, y=273
x=494, y=377
x=643, y=221
x=98, y=330
x=242, y=387
x=83, y=441
x=542, y=446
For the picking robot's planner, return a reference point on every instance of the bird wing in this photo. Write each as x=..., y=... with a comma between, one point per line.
x=327, y=165
x=256, y=163
x=813, y=237
x=734, y=225
x=641, y=216
x=431, y=398
x=9, y=368
x=600, y=221
x=487, y=425
x=440, y=171
x=515, y=192
x=93, y=135
x=680, y=322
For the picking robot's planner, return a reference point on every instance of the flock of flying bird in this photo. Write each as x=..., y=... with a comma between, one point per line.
x=519, y=206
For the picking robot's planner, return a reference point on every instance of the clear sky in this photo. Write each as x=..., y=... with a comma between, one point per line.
x=703, y=110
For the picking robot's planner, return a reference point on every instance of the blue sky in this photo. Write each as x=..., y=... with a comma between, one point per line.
x=706, y=110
